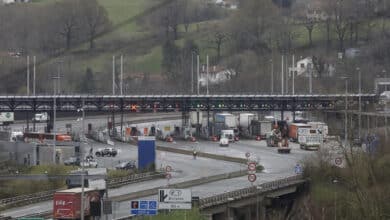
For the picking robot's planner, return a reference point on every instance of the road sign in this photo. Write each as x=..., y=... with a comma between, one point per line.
x=338, y=161
x=252, y=166
x=168, y=168
x=252, y=178
x=247, y=154
x=174, y=199
x=298, y=169
x=143, y=207
x=168, y=175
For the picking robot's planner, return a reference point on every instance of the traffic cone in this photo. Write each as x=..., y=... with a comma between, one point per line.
x=258, y=138
x=193, y=139
x=236, y=138
x=214, y=138
x=169, y=139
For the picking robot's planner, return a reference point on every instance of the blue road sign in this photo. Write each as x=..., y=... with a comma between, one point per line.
x=298, y=169
x=144, y=207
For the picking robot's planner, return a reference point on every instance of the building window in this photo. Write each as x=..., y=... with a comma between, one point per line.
x=302, y=65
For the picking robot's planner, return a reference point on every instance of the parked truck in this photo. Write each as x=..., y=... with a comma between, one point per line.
x=244, y=123
x=295, y=129
x=310, y=140
x=260, y=128
x=67, y=203
x=6, y=118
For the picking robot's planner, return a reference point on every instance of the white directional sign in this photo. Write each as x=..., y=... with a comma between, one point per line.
x=174, y=198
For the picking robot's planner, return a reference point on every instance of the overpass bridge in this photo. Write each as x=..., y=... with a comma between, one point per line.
x=184, y=103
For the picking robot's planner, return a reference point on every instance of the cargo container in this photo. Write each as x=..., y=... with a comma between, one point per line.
x=6, y=118
x=196, y=118
x=67, y=203
x=310, y=140
x=261, y=128
x=293, y=131
x=228, y=119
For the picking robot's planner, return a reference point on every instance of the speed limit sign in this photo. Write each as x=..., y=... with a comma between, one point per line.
x=252, y=178
x=168, y=169
x=168, y=176
x=252, y=166
x=338, y=161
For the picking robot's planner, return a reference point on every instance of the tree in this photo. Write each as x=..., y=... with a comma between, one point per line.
x=219, y=38
x=87, y=83
x=68, y=20
x=253, y=25
x=95, y=19
x=171, y=60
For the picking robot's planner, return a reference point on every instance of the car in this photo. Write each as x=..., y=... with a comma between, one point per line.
x=224, y=142
x=89, y=163
x=129, y=165
x=108, y=151
x=72, y=161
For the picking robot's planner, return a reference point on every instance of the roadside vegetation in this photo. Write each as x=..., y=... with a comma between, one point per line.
x=11, y=188
x=360, y=190
x=192, y=214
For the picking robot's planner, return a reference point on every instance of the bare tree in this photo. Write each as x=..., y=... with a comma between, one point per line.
x=68, y=20
x=219, y=38
x=95, y=18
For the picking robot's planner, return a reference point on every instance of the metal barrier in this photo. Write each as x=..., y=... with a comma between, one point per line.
x=247, y=192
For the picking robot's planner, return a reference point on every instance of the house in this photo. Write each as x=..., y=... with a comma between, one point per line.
x=6, y=2
x=216, y=76
x=305, y=67
x=229, y=4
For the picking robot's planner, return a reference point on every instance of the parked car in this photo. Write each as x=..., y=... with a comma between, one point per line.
x=72, y=161
x=108, y=151
x=129, y=165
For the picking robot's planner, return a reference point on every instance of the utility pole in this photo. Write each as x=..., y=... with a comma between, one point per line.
x=207, y=73
x=121, y=83
x=346, y=114
x=113, y=75
x=282, y=75
x=34, y=75
x=272, y=77
x=293, y=74
x=287, y=75
x=82, y=159
x=192, y=72
x=360, y=103
x=197, y=60
x=310, y=79
x=28, y=75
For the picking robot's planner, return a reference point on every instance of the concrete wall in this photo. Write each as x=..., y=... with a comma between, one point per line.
x=34, y=154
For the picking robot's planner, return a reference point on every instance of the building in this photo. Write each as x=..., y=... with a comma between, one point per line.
x=216, y=76
x=6, y=2
x=305, y=68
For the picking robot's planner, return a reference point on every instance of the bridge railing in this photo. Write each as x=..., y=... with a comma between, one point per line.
x=247, y=192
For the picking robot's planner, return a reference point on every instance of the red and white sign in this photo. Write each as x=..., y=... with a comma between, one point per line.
x=252, y=166
x=252, y=178
x=168, y=176
x=247, y=154
x=338, y=161
x=168, y=168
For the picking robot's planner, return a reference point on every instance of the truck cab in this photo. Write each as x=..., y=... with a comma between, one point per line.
x=228, y=134
x=41, y=117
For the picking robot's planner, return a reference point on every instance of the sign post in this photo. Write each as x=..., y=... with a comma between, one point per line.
x=143, y=207
x=174, y=199
x=252, y=172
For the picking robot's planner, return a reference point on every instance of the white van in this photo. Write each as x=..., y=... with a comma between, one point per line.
x=229, y=134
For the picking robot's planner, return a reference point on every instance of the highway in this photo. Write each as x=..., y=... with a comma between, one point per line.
x=277, y=166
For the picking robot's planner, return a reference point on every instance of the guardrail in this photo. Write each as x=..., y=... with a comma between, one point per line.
x=42, y=196
x=248, y=192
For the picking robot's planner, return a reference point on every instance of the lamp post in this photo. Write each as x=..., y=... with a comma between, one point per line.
x=82, y=160
x=272, y=76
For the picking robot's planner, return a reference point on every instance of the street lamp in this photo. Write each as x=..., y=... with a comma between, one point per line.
x=272, y=76
x=82, y=159
x=346, y=108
